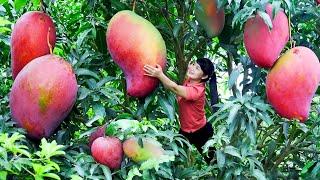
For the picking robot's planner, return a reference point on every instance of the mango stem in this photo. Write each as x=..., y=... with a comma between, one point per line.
x=134, y=5
x=48, y=41
x=41, y=6
x=292, y=42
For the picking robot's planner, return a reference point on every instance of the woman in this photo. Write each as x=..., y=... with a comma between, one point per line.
x=191, y=100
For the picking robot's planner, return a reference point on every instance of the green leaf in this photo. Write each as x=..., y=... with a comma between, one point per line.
x=221, y=158
x=275, y=8
x=265, y=117
x=18, y=4
x=106, y=172
x=49, y=150
x=133, y=172
x=36, y=3
x=232, y=151
x=51, y=175
x=233, y=77
x=82, y=36
x=4, y=22
x=176, y=29
x=84, y=92
x=288, y=3
x=167, y=108
x=305, y=169
x=3, y=175
x=251, y=132
x=266, y=18
x=154, y=163
x=233, y=112
x=3, y=1
x=76, y=177
x=86, y=72
x=259, y=174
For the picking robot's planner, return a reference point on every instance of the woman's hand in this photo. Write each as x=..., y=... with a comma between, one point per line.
x=153, y=71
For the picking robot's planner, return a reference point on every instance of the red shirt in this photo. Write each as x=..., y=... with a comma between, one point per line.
x=191, y=109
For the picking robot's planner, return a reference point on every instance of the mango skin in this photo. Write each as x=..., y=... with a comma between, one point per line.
x=210, y=17
x=151, y=149
x=133, y=42
x=29, y=39
x=107, y=151
x=264, y=46
x=292, y=83
x=42, y=95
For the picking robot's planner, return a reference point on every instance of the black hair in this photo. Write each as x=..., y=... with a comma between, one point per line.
x=207, y=68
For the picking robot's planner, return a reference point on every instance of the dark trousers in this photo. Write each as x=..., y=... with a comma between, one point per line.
x=199, y=138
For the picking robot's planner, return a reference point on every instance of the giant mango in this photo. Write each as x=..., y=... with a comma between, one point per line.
x=133, y=42
x=42, y=95
x=33, y=35
x=292, y=83
x=262, y=44
x=210, y=16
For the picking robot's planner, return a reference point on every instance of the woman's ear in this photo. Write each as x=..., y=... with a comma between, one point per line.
x=204, y=77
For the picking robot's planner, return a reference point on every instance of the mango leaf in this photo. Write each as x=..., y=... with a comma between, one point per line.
x=221, y=158
x=288, y=3
x=251, y=132
x=259, y=174
x=51, y=175
x=176, y=29
x=36, y=3
x=49, y=150
x=76, y=177
x=84, y=92
x=233, y=77
x=3, y=175
x=167, y=108
x=4, y=21
x=106, y=172
x=86, y=72
x=125, y=124
x=233, y=112
x=232, y=151
x=18, y=4
x=306, y=168
x=275, y=8
x=133, y=172
x=266, y=19
x=81, y=37
x=154, y=163
x=3, y=1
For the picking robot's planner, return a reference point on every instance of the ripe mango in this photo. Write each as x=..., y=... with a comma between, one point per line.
x=29, y=39
x=292, y=83
x=107, y=151
x=42, y=95
x=210, y=17
x=150, y=149
x=133, y=42
x=262, y=44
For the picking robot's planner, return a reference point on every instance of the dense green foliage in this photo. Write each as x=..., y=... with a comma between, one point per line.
x=252, y=141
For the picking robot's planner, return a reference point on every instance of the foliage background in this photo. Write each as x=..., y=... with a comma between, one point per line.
x=252, y=141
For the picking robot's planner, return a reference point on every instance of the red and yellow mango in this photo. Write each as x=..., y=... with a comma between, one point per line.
x=210, y=17
x=32, y=36
x=42, y=95
x=292, y=83
x=262, y=44
x=133, y=42
x=150, y=149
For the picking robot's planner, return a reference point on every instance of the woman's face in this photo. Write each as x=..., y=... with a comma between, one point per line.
x=195, y=72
